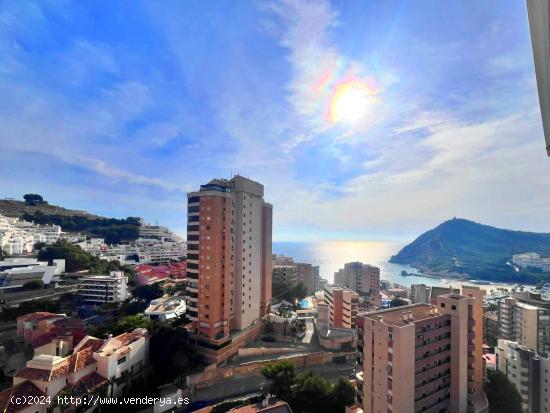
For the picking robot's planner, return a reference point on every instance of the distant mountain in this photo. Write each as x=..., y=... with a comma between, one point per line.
x=41, y=212
x=463, y=248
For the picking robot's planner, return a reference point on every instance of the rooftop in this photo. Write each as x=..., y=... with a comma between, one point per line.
x=25, y=391
x=274, y=406
x=395, y=316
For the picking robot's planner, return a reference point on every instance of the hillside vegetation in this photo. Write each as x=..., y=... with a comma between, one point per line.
x=468, y=249
x=113, y=230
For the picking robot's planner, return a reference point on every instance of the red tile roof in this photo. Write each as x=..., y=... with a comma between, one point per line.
x=25, y=391
x=88, y=384
x=32, y=373
x=127, y=338
x=40, y=315
x=94, y=343
x=81, y=359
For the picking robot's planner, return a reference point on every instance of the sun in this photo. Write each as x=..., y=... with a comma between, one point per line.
x=350, y=102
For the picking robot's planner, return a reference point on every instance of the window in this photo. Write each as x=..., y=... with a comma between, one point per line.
x=453, y=307
x=442, y=305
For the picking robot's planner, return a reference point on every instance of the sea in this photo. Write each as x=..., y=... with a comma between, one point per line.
x=330, y=256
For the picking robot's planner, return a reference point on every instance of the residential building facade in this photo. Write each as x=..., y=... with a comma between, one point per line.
x=525, y=323
x=423, y=357
x=228, y=259
x=362, y=278
x=343, y=306
x=100, y=289
x=420, y=293
x=528, y=371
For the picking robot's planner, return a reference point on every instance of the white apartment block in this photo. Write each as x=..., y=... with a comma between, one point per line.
x=140, y=251
x=15, y=272
x=157, y=232
x=17, y=237
x=531, y=260
x=99, y=289
x=528, y=371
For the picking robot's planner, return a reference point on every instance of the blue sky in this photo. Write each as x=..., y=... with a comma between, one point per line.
x=122, y=107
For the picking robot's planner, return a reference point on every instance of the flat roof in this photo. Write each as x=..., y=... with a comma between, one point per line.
x=394, y=316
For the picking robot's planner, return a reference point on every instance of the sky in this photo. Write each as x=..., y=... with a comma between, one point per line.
x=363, y=119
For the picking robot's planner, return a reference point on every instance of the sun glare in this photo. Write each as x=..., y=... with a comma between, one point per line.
x=350, y=102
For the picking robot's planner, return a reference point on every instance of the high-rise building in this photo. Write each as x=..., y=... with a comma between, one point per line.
x=229, y=257
x=362, y=278
x=423, y=357
x=343, y=304
x=525, y=323
x=420, y=293
x=284, y=276
x=306, y=276
x=539, y=24
x=529, y=372
x=491, y=330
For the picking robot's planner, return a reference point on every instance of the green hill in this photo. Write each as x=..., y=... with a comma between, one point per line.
x=41, y=212
x=463, y=248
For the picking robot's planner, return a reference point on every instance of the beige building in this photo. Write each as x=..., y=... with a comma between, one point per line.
x=343, y=305
x=420, y=293
x=362, y=278
x=422, y=357
x=529, y=372
x=284, y=275
x=525, y=323
x=228, y=258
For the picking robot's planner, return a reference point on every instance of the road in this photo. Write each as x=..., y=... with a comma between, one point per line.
x=309, y=332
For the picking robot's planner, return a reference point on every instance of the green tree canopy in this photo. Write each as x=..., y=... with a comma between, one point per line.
x=33, y=199
x=148, y=292
x=77, y=260
x=282, y=375
x=502, y=394
x=312, y=393
x=121, y=325
x=343, y=394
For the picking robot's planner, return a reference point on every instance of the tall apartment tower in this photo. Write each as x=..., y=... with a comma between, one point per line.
x=423, y=357
x=528, y=371
x=229, y=257
x=525, y=323
x=362, y=278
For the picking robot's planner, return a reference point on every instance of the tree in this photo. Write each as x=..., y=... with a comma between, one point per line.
x=130, y=307
x=147, y=292
x=121, y=325
x=282, y=375
x=343, y=394
x=33, y=199
x=312, y=394
x=397, y=302
x=502, y=394
x=171, y=354
x=39, y=245
x=308, y=392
